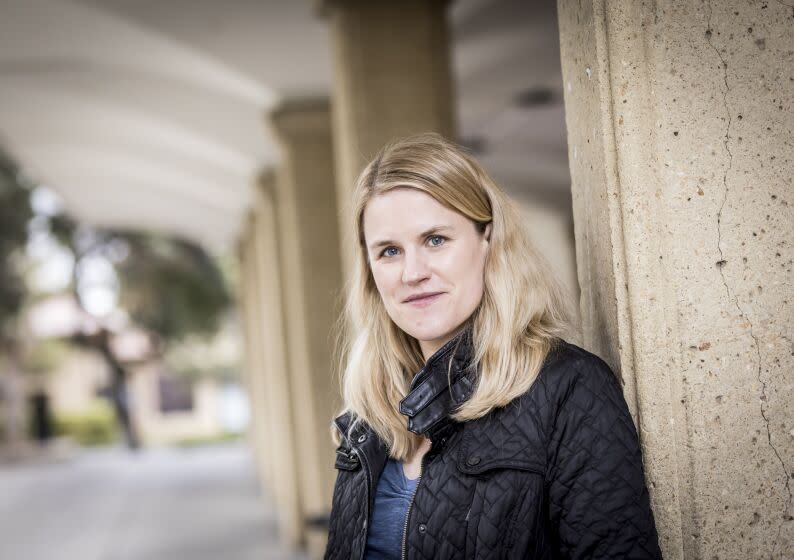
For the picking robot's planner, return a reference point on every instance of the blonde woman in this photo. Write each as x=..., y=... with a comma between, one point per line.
x=471, y=428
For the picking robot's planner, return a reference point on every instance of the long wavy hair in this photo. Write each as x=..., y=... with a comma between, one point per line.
x=521, y=314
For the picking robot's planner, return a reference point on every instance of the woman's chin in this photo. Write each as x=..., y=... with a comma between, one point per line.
x=430, y=334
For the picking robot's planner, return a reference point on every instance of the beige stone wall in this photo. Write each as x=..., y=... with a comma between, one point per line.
x=680, y=126
x=73, y=386
x=310, y=267
x=157, y=428
x=253, y=374
x=247, y=360
x=272, y=385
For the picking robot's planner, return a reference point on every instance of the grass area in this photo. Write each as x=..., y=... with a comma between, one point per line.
x=92, y=427
x=223, y=437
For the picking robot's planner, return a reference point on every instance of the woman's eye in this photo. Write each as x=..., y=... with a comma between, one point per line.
x=389, y=252
x=435, y=240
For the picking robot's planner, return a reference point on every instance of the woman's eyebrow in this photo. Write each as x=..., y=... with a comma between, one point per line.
x=433, y=230
x=378, y=244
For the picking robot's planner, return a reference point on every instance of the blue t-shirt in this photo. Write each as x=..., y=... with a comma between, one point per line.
x=392, y=497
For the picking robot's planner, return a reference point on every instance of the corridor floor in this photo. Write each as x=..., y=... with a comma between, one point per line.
x=175, y=504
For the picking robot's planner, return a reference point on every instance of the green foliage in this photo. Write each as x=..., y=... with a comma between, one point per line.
x=172, y=287
x=63, y=228
x=215, y=357
x=218, y=372
x=92, y=427
x=222, y=437
x=45, y=355
x=169, y=286
x=15, y=213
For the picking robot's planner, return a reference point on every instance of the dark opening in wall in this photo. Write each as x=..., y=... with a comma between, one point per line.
x=176, y=393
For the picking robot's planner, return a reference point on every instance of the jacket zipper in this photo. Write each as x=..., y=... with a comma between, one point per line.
x=404, y=551
x=368, y=474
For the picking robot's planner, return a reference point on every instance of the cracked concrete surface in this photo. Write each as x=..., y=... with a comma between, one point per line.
x=681, y=189
x=728, y=291
x=726, y=145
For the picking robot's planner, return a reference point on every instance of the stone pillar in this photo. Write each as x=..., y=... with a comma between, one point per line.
x=275, y=383
x=311, y=278
x=253, y=370
x=680, y=128
x=391, y=78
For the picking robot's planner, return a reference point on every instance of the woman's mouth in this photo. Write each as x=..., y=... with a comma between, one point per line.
x=423, y=300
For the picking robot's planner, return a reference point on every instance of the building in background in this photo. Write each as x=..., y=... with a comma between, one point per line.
x=168, y=406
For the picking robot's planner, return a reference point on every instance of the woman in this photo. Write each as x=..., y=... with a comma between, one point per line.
x=471, y=428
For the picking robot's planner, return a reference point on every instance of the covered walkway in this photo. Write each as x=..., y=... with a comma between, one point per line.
x=192, y=504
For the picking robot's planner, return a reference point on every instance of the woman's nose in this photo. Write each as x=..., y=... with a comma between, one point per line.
x=415, y=267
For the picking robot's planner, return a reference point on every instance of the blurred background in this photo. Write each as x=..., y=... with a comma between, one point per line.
x=172, y=183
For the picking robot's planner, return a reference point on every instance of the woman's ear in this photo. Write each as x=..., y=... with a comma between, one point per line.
x=487, y=232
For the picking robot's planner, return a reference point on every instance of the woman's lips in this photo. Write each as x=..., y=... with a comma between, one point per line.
x=425, y=301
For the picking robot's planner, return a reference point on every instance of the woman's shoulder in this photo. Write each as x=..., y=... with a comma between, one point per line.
x=572, y=361
x=571, y=372
x=572, y=383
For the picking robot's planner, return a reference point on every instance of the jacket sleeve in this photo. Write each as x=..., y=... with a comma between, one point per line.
x=598, y=501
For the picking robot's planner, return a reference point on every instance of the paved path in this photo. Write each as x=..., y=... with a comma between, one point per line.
x=174, y=504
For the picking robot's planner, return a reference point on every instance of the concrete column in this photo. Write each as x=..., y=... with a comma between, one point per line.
x=311, y=278
x=391, y=78
x=275, y=382
x=680, y=127
x=253, y=369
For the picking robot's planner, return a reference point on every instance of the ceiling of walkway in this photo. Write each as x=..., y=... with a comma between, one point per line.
x=151, y=114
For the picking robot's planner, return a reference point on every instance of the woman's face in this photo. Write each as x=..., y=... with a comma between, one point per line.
x=427, y=262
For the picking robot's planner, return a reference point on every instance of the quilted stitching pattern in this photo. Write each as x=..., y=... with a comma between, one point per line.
x=555, y=474
x=440, y=504
x=597, y=493
x=347, y=516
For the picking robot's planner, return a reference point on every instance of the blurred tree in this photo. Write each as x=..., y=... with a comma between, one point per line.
x=168, y=286
x=15, y=213
x=172, y=287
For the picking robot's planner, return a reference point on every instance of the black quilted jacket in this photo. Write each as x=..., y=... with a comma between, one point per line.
x=555, y=474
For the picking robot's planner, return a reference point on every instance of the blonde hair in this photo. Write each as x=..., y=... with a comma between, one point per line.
x=521, y=314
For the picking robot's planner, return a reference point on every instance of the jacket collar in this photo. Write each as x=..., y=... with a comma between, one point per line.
x=445, y=381
x=432, y=395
